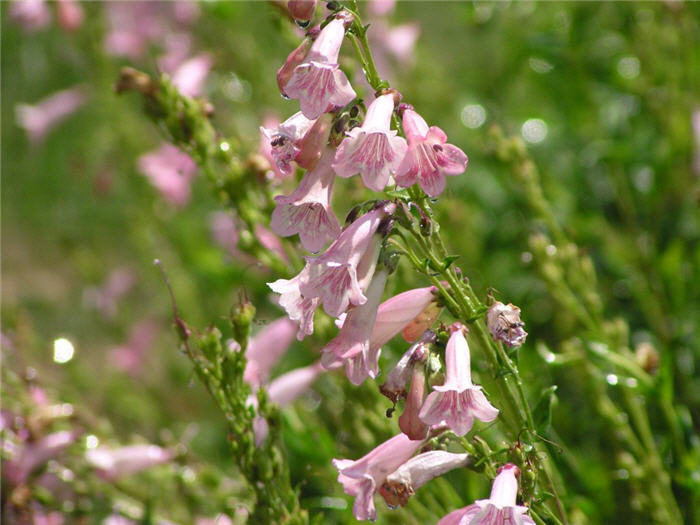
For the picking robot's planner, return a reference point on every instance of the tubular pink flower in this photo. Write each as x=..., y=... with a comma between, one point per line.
x=342, y=273
x=307, y=210
x=284, y=141
x=39, y=119
x=373, y=150
x=361, y=478
x=457, y=402
x=298, y=308
x=33, y=455
x=396, y=313
x=294, y=59
x=352, y=344
x=416, y=472
x=115, y=463
x=171, y=171
x=499, y=509
x=398, y=378
x=189, y=76
x=318, y=82
x=266, y=348
x=429, y=158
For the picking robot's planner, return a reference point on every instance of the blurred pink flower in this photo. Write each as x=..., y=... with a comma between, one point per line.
x=70, y=14
x=318, y=82
x=373, y=150
x=104, y=298
x=32, y=15
x=115, y=463
x=219, y=519
x=340, y=276
x=307, y=210
x=381, y=7
x=129, y=357
x=224, y=231
x=361, y=478
x=351, y=346
x=416, y=472
x=499, y=509
x=171, y=172
x=457, y=402
x=29, y=456
x=429, y=158
x=49, y=518
x=270, y=241
x=189, y=76
x=266, y=348
x=39, y=119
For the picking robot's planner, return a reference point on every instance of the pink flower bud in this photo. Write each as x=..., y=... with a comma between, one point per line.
x=70, y=14
x=373, y=149
x=314, y=143
x=505, y=325
x=429, y=158
x=294, y=59
x=409, y=422
x=189, y=76
x=397, y=379
x=361, y=478
x=457, y=402
x=302, y=9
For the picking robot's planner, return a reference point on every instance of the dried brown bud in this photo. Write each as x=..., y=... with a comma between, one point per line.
x=505, y=325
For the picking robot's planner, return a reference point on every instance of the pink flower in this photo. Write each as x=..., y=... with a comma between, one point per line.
x=171, y=171
x=373, y=149
x=284, y=141
x=396, y=313
x=410, y=422
x=32, y=15
x=298, y=308
x=398, y=378
x=457, y=402
x=294, y=59
x=307, y=210
x=362, y=477
x=318, y=82
x=270, y=241
x=499, y=509
x=416, y=472
x=70, y=14
x=224, y=231
x=105, y=297
x=340, y=276
x=130, y=356
x=115, y=463
x=381, y=7
x=302, y=9
x=504, y=323
x=429, y=159
x=39, y=119
x=35, y=454
x=189, y=76
x=352, y=344
x=266, y=348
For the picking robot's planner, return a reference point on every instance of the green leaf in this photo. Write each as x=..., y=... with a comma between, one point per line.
x=542, y=413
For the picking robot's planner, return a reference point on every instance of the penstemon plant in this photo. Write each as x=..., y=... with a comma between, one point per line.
x=403, y=164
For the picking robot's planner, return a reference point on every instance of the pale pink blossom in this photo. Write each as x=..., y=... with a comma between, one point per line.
x=416, y=472
x=49, y=518
x=32, y=15
x=362, y=478
x=340, y=276
x=504, y=323
x=70, y=14
x=104, y=298
x=302, y=9
x=294, y=59
x=171, y=171
x=224, y=231
x=396, y=313
x=499, y=509
x=307, y=210
x=219, y=519
x=381, y=7
x=352, y=344
x=265, y=149
x=39, y=119
x=176, y=48
x=115, y=463
x=189, y=77
x=270, y=241
x=266, y=348
x=318, y=82
x=429, y=158
x=457, y=402
x=298, y=308
x=373, y=150
x=284, y=140
x=400, y=41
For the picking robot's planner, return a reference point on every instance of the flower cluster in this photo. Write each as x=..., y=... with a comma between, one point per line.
x=329, y=138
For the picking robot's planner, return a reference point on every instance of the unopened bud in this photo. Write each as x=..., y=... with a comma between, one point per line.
x=130, y=78
x=242, y=316
x=505, y=325
x=302, y=10
x=647, y=357
x=295, y=58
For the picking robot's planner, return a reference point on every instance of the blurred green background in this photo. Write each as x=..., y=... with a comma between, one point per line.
x=604, y=94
